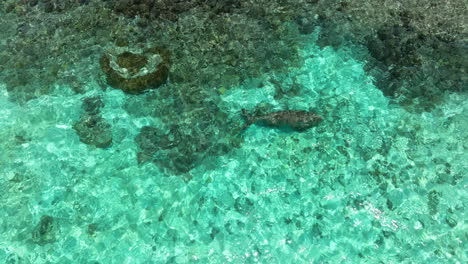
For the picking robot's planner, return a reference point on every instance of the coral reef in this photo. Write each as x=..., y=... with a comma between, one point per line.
x=152, y=9
x=47, y=49
x=418, y=68
x=415, y=46
x=134, y=73
x=170, y=9
x=48, y=6
x=91, y=127
x=94, y=130
x=222, y=42
x=92, y=105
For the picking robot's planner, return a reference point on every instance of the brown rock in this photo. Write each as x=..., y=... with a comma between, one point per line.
x=132, y=64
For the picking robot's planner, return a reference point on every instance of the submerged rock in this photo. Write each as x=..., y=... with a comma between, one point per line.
x=92, y=105
x=135, y=72
x=94, y=130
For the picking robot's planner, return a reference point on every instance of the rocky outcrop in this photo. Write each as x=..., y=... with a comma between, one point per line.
x=135, y=72
x=91, y=127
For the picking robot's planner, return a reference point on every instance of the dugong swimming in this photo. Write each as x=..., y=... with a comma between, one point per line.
x=296, y=119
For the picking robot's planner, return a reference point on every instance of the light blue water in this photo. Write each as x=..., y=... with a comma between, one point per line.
x=371, y=184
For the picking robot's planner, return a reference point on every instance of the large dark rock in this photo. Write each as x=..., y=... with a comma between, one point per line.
x=135, y=73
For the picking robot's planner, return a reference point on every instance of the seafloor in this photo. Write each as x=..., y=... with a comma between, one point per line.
x=122, y=135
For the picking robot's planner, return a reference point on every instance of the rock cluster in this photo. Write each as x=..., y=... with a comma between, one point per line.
x=91, y=127
x=134, y=72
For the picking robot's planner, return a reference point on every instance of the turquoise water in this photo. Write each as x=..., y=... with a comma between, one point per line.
x=372, y=183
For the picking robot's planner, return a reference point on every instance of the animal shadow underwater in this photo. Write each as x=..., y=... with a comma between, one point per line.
x=286, y=120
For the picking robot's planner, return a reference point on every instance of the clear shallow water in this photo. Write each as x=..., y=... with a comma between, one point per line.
x=371, y=184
